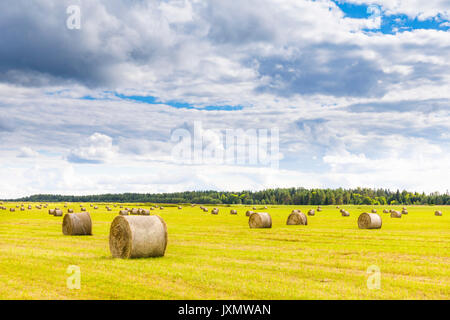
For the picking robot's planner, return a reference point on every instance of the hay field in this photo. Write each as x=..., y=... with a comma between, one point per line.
x=220, y=257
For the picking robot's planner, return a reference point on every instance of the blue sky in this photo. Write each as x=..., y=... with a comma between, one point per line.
x=356, y=99
x=392, y=23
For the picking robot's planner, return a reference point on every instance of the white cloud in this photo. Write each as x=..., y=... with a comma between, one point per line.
x=353, y=108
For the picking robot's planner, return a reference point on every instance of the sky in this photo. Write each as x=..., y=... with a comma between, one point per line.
x=109, y=96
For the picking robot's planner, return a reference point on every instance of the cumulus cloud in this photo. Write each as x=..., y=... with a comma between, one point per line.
x=98, y=148
x=353, y=106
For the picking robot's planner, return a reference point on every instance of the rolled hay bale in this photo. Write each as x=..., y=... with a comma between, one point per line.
x=254, y=208
x=51, y=211
x=319, y=209
x=404, y=211
x=161, y=208
x=205, y=209
x=311, y=212
x=95, y=208
x=123, y=212
x=260, y=220
x=249, y=213
x=134, y=211
x=345, y=213
x=369, y=221
x=396, y=214
x=374, y=210
x=145, y=212
x=297, y=218
x=385, y=211
x=69, y=210
x=215, y=211
x=30, y=207
x=438, y=213
x=342, y=211
x=108, y=209
x=233, y=211
x=126, y=208
x=152, y=208
x=22, y=209
x=138, y=237
x=265, y=207
x=179, y=207
x=77, y=224
x=404, y=208
x=58, y=213
x=91, y=205
x=12, y=209
x=83, y=209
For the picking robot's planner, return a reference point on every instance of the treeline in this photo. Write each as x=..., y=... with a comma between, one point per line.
x=286, y=196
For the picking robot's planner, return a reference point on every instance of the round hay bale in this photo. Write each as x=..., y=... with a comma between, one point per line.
x=69, y=210
x=404, y=211
x=83, y=209
x=215, y=211
x=438, y=213
x=58, y=213
x=404, y=208
x=265, y=207
x=297, y=218
x=249, y=213
x=205, y=209
x=152, y=208
x=138, y=237
x=22, y=209
x=311, y=212
x=260, y=220
x=51, y=211
x=374, y=210
x=108, y=209
x=345, y=213
x=233, y=211
x=12, y=209
x=145, y=212
x=77, y=224
x=134, y=211
x=179, y=207
x=95, y=208
x=161, y=208
x=30, y=207
x=254, y=208
x=385, y=211
x=123, y=212
x=369, y=221
x=319, y=209
x=396, y=214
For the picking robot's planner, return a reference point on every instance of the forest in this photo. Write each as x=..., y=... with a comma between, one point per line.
x=281, y=196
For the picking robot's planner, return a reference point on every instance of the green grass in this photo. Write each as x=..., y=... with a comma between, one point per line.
x=219, y=257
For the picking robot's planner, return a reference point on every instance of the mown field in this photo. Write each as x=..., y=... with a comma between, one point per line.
x=220, y=257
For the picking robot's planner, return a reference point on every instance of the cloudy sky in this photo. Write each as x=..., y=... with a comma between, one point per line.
x=358, y=91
